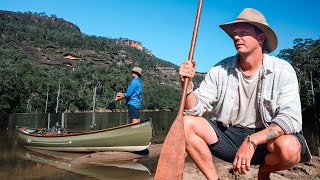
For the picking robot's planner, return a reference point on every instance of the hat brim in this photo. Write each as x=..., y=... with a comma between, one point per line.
x=137, y=72
x=271, y=42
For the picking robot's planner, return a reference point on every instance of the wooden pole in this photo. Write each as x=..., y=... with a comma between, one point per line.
x=172, y=156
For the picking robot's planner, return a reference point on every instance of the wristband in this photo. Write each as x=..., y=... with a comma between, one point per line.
x=249, y=141
x=188, y=93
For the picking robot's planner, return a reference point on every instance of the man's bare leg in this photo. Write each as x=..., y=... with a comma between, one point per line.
x=199, y=133
x=136, y=120
x=284, y=154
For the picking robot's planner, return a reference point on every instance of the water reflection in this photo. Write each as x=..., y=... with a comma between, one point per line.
x=107, y=170
x=17, y=162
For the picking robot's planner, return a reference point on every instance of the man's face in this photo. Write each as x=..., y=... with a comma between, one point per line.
x=133, y=74
x=245, y=38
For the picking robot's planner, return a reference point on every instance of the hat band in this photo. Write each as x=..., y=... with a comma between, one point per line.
x=260, y=21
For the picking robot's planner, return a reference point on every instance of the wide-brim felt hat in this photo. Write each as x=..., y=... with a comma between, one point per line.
x=137, y=70
x=254, y=17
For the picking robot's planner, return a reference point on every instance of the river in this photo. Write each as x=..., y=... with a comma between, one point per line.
x=17, y=162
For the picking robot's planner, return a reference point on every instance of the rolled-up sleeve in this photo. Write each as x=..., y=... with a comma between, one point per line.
x=131, y=88
x=206, y=95
x=289, y=116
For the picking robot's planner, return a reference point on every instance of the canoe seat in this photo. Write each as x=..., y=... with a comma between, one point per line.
x=30, y=131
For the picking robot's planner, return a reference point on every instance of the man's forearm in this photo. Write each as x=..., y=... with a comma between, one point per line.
x=191, y=100
x=274, y=131
x=271, y=132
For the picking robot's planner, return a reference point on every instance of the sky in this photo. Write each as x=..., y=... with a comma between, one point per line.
x=165, y=27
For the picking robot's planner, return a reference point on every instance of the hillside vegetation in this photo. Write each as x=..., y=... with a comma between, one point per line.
x=48, y=65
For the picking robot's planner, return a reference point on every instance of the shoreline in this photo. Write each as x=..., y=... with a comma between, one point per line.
x=308, y=170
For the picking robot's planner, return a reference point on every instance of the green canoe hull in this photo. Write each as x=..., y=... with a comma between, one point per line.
x=130, y=137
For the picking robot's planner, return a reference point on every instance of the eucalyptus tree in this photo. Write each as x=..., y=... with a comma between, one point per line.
x=304, y=56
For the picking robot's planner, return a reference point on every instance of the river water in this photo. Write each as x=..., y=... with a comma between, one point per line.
x=18, y=162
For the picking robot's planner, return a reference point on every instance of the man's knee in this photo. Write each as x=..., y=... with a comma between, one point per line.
x=188, y=124
x=288, y=148
x=199, y=127
x=189, y=132
x=192, y=123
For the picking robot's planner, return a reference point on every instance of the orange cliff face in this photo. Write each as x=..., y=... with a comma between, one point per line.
x=132, y=43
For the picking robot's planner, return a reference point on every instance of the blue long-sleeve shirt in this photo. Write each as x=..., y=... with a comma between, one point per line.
x=133, y=93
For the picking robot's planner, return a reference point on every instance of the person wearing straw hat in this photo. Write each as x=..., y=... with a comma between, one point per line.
x=255, y=101
x=133, y=95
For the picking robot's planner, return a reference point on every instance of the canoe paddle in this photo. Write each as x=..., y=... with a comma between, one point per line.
x=172, y=156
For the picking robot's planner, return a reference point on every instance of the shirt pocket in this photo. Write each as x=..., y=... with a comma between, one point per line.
x=269, y=109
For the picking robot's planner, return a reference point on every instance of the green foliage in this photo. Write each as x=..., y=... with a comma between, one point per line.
x=305, y=58
x=25, y=78
x=160, y=97
x=32, y=63
x=29, y=40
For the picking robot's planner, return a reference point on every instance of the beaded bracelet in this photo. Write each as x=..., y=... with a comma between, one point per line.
x=191, y=89
x=251, y=142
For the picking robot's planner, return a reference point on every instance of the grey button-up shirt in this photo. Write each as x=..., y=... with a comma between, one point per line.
x=278, y=93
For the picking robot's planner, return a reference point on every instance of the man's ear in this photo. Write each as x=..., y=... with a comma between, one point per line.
x=262, y=38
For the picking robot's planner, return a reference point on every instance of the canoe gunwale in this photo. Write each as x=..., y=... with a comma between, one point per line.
x=92, y=149
x=18, y=128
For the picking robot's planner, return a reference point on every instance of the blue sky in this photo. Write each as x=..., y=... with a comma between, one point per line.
x=165, y=26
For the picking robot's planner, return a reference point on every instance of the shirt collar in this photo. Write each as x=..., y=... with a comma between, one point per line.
x=267, y=63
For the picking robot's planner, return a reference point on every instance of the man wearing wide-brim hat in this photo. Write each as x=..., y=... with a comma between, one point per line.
x=133, y=95
x=255, y=105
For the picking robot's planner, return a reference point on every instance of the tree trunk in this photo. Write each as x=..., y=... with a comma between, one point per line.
x=28, y=105
x=62, y=120
x=58, y=94
x=94, y=98
x=48, y=120
x=94, y=106
x=315, y=112
x=45, y=111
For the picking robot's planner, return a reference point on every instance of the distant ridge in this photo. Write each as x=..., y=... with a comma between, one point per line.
x=41, y=17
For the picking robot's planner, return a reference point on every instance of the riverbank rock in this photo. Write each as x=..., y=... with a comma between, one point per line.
x=309, y=170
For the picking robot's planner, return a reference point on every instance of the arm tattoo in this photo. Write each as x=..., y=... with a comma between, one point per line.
x=271, y=134
x=274, y=132
x=280, y=133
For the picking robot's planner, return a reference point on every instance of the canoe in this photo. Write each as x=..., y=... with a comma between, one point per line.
x=129, y=137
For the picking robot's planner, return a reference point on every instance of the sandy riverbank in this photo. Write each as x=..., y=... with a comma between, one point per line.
x=310, y=170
